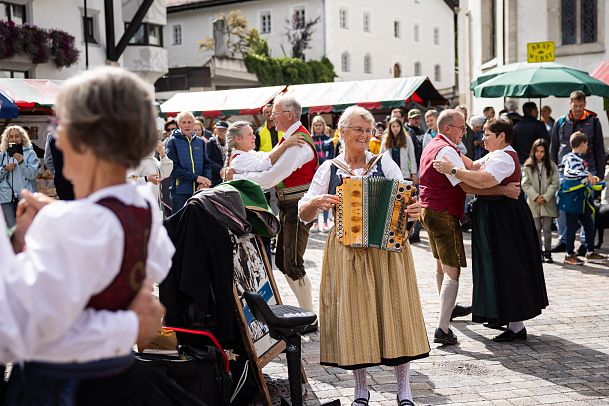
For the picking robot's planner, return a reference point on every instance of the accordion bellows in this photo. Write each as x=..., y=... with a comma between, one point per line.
x=371, y=212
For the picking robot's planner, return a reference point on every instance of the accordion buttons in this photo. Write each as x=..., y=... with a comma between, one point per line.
x=398, y=245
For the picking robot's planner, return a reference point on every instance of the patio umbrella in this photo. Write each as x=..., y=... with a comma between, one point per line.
x=540, y=81
x=500, y=70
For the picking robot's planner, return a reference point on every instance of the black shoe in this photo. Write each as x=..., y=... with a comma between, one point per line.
x=560, y=247
x=441, y=337
x=509, y=335
x=404, y=402
x=361, y=401
x=547, y=256
x=460, y=311
x=495, y=325
x=414, y=238
x=582, y=250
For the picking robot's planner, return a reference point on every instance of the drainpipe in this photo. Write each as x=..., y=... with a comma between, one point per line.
x=86, y=37
x=323, y=25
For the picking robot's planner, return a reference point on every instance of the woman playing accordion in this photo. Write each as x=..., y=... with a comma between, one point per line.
x=370, y=311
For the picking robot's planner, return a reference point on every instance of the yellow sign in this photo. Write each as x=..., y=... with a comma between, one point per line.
x=540, y=51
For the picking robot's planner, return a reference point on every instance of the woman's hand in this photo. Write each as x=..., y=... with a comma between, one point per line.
x=443, y=165
x=415, y=180
x=154, y=179
x=10, y=167
x=149, y=313
x=160, y=148
x=540, y=200
x=324, y=202
x=413, y=210
x=18, y=157
x=294, y=140
x=28, y=207
x=227, y=173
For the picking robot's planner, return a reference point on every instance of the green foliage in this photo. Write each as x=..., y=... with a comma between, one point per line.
x=289, y=71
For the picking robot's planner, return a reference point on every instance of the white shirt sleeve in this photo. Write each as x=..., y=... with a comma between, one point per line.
x=390, y=168
x=44, y=289
x=454, y=158
x=250, y=162
x=319, y=185
x=292, y=159
x=166, y=166
x=499, y=164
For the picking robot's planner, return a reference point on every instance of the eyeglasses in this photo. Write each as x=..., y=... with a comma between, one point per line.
x=360, y=130
x=456, y=126
x=274, y=113
x=487, y=135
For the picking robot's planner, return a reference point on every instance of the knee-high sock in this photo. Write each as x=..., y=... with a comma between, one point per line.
x=302, y=291
x=402, y=374
x=515, y=326
x=448, y=298
x=361, y=388
x=439, y=280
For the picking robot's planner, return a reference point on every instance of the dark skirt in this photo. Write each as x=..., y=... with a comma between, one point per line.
x=507, y=271
x=45, y=384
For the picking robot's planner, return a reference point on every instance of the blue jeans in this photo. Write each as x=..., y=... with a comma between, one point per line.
x=587, y=222
x=561, y=225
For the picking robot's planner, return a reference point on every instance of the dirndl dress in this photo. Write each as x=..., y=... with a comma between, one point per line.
x=369, y=307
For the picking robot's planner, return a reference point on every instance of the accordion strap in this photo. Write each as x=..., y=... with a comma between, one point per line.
x=367, y=168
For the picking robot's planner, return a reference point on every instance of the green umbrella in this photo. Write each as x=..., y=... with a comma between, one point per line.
x=539, y=81
x=499, y=70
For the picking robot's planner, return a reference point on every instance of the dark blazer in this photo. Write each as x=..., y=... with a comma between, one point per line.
x=526, y=132
x=216, y=160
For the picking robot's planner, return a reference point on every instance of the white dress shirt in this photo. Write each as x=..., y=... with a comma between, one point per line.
x=453, y=157
x=251, y=161
x=498, y=163
x=74, y=250
x=292, y=159
x=321, y=181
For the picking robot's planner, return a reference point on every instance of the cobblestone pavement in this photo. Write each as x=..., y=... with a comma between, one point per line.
x=564, y=361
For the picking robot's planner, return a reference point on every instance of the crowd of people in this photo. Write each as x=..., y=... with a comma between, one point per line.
x=523, y=172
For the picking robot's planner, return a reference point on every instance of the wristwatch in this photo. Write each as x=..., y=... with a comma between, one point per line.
x=453, y=171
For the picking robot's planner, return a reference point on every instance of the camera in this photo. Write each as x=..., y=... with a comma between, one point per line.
x=15, y=148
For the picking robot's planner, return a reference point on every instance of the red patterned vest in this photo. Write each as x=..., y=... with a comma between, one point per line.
x=136, y=223
x=436, y=191
x=305, y=173
x=514, y=177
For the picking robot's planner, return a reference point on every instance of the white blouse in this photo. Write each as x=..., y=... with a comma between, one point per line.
x=498, y=163
x=252, y=161
x=321, y=181
x=73, y=251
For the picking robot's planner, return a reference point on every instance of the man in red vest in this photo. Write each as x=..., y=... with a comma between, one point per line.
x=443, y=200
x=291, y=175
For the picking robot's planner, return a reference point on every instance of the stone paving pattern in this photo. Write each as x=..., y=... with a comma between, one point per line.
x=565, y=360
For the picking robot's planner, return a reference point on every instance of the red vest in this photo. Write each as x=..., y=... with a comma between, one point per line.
x=136, y=223
x=436, y=191
x=514, y=177
x=305, y=173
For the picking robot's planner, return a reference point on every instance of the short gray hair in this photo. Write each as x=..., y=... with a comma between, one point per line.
x=235, y=130
x=447, y=116
x=110, y=111
x=511, y=105
x=356, y=111
x=477, y=121
x=290, y=104
x=184, y=114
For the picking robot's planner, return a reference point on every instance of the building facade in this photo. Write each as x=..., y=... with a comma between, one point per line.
x=493, y=33
x=363, y=39
x=145, y=54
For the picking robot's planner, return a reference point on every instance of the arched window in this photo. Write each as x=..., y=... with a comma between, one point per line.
x=345, y=62
x=367, y=63
x=437, y=73
x=397, y=70
x=417, y=68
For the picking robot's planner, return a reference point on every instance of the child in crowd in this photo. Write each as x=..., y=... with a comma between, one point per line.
x=575, y=198
x=377, y=137
x=540, y=183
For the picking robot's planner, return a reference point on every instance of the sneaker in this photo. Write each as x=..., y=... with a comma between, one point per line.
x=559, y=247
x=595, y=257
x=573, y=260
x=314, y=228
x=547, y=256
x=441, y=337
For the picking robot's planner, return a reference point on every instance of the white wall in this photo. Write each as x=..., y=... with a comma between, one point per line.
x=380, y=43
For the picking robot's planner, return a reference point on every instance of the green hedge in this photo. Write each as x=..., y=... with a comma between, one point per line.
x=289, y=71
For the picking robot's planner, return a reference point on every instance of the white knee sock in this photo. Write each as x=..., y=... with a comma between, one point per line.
x=439, y=280
x=515, y=326
x=302, y=291
x=402, y=374
x=361, y=388
x=448, y=298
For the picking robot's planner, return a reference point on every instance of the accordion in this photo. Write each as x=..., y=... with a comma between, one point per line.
x=371, y=212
